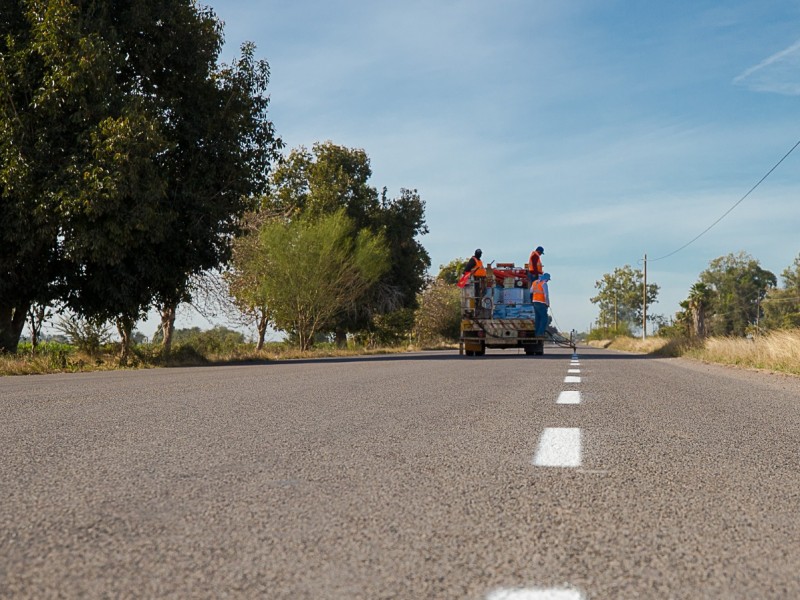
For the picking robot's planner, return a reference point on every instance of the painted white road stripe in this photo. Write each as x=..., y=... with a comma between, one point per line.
x=559, y=447
x=571, y=397
x=572, y=379
x=537, y=594
x=573, y=370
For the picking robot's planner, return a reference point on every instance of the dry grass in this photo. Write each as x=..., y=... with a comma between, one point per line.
x=72, y=363
x=183, y=356
x=776, y=351
x=653, y=345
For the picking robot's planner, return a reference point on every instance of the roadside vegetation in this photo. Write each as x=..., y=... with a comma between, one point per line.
x=737, y=313
x=777, y=351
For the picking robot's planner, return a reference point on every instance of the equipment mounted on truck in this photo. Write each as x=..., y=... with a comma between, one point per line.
x=497, y=312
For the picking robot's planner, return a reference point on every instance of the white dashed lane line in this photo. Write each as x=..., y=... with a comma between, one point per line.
x=537, y=594
x=569, y=397
x=559, y=447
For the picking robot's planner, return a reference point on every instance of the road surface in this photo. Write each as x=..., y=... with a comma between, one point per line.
x=428, y=475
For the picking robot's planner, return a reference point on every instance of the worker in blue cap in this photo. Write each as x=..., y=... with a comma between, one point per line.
x=541, y=302
x=535, y=267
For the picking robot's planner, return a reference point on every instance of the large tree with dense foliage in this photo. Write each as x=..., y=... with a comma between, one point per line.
x=619, y=297
x=329, y=178
x=126, y=154
x=308, y=271
x=738, y=286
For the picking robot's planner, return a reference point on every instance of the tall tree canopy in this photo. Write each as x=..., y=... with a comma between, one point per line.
x=308, y=271
x=329, y=178
x=737, y=285
x=620, y=297
x=127, y=154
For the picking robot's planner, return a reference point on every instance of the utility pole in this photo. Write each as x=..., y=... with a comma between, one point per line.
x=644, y=301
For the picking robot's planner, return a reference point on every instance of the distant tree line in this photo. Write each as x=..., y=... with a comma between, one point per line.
x=734, y=296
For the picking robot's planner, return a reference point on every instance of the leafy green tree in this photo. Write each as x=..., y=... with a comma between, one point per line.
x=452, y=271
x=223, y=145
x=330, y=178
x=314, y=269
x=127, y=154
x=782, y=305
x=738, y=286
x=619, y=298
x=247, y=271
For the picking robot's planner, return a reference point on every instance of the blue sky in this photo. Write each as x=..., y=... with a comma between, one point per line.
x=599, y=130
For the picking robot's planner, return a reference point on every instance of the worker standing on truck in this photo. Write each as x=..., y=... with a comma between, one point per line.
x=475, y=268
x=535, y=267
x=541, y=302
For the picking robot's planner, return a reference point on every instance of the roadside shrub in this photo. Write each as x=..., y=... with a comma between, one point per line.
x=219, y=340
x=438, y=317
x=87, y=335
x=608, y=333
x=391, y=329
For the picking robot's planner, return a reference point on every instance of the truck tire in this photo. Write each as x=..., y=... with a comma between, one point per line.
x=530, y=349
x=482, y=351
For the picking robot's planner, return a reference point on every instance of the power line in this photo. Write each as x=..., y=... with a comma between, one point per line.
x=731, y=208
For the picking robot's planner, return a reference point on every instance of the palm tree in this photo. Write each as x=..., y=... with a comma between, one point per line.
x=699, y=300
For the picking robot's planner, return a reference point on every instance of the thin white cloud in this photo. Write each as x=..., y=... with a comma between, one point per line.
x=777, y=73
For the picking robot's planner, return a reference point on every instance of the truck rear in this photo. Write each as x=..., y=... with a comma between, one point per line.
x=497, y=312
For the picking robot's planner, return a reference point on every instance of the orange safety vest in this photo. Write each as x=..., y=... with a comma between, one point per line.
x=537, y=287
x=535, y=263
x=478, y=270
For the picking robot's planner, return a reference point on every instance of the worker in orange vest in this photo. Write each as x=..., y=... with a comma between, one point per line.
x=541, y=302
x=475, y=268
x=475, y=265
x=535, y=267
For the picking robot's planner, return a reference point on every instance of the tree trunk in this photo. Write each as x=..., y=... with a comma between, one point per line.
x=168, y=326
x=12, y=322
x=262, y=330
x=125, y=328
x=341, y=338
x=37, y=313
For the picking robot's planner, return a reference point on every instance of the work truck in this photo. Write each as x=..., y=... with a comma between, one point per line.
x=497, y=312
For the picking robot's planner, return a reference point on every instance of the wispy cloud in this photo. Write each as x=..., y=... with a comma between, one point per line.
x=777, y=73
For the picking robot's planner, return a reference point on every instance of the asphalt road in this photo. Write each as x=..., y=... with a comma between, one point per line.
x=408, y=476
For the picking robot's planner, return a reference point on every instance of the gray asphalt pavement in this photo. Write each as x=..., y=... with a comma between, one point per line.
x=412, y=476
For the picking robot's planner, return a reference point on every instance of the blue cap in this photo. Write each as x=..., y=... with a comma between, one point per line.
x=544, y=276
x=540, y=250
